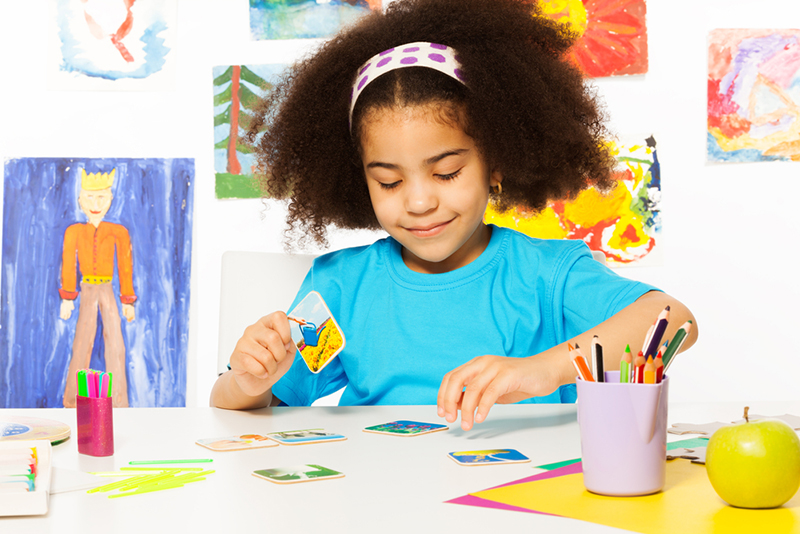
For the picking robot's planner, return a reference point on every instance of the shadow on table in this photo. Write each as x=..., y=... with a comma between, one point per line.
x=494, y=427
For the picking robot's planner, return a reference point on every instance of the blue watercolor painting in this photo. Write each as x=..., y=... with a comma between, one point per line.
x=113, y=39
x=148, y=200
x=304, y=19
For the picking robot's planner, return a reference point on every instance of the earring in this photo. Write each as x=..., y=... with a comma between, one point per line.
x=499, y=190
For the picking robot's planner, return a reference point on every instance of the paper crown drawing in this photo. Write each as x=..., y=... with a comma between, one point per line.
x=97, y=181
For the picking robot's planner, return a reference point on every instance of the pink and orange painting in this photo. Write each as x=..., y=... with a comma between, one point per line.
x=613, y=34
x=753, y=95
x=625, y=224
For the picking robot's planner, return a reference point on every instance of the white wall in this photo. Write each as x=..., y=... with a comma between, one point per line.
x=729, y=238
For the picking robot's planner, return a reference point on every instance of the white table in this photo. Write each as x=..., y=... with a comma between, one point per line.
x=392, y=484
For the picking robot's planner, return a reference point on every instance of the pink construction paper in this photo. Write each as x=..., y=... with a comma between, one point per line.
x=471, y=500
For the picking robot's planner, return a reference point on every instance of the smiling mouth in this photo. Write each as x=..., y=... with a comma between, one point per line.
x=428, y=231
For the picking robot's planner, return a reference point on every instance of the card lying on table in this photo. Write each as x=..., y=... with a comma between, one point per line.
x=406, y=428
x=488, y=457
x=297, y=473
x=300, y=437
x=237, y=443
x=315, y=332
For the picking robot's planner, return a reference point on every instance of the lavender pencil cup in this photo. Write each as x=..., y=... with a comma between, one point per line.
x=95, y=426
x=623, y=436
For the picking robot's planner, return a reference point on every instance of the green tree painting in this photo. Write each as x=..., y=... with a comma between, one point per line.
x=237, y=88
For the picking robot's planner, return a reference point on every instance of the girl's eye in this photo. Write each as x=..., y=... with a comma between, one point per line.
x=450, y=176
x=389, y=186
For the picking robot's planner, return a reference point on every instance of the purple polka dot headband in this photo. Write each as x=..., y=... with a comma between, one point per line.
x=431, y=55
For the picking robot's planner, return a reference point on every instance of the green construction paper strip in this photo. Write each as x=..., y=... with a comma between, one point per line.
x=687, y=443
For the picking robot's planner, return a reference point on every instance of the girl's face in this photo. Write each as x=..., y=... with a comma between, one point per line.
x=429, y=186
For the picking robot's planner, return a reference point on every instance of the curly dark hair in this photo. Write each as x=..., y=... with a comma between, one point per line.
x=526, y=107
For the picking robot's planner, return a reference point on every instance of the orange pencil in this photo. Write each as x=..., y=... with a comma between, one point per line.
x=579, y=362
x=659, y=368
x=650, y=371
x=638, y=366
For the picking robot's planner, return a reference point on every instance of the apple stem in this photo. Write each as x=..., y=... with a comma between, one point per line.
x=746, y=418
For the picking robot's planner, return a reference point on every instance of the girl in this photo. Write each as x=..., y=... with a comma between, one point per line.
x=411, y=121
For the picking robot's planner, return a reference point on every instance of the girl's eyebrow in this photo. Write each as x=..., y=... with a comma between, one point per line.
x=429, y=161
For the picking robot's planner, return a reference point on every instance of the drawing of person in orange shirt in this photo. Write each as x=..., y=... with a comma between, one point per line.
x=91, y=247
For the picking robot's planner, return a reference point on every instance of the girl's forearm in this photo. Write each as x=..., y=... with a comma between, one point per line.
x=227, y=394
x=628, y=327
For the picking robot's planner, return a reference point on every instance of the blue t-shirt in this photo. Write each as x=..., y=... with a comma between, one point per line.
x=405, y=330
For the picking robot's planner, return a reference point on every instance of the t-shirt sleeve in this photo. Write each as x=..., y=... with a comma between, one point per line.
x=586, y=293
x=299, y=386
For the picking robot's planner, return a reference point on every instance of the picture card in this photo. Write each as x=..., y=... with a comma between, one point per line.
x=302, y=437
x=406, y=428
x=237, y=443
x=315, y=332
x=488, y=457
x=297, y=473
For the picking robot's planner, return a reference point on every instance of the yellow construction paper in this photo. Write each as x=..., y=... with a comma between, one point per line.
x=688, y=503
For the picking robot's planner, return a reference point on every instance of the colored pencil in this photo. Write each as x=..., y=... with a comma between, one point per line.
x=659, y=368
x=648, y=336
x=582, y=368
x=658, y=332
x=625, y=366
x=597, y=360
x=677, y=342
x=638, y=369
x=649, y=371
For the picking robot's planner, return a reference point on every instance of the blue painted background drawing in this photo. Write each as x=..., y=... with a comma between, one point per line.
x=142, y=209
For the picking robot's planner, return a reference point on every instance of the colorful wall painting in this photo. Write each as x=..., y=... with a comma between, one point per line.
x=613, y=34
x=144, y=297
x=625, y=225
x=123, y=45
x=304, y=19
x=236, y=91
x=753, y=95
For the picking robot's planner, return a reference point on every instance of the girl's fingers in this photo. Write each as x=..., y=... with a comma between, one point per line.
x=478, y=393
x=450, y=395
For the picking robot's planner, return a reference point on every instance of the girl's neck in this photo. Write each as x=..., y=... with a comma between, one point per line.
x=469, y=252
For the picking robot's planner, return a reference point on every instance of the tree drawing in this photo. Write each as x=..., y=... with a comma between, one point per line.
x=238, y=99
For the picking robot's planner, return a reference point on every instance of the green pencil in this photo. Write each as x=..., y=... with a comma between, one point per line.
x=676, y=343
x=154, y=462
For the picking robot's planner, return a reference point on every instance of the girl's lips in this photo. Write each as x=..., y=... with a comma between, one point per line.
x=428, y=231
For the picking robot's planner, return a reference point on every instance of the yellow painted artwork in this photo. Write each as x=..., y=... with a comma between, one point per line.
x=625, y=224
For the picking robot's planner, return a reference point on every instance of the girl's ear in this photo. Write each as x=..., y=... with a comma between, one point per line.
x=495, y=179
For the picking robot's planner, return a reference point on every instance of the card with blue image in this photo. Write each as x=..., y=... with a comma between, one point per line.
x=315, y=332
x=488, y=457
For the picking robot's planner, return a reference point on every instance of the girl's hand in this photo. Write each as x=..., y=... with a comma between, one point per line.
x=263, y=354
x=486, y=380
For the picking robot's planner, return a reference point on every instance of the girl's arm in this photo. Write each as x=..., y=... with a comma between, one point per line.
x=486, y=380
x=261, y=357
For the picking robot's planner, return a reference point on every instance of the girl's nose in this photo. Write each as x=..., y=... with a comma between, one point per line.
x=421, y=196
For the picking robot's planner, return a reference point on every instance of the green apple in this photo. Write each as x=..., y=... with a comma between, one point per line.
x=754, y=464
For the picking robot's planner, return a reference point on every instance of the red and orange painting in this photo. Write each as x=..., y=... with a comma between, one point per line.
x=613, y=34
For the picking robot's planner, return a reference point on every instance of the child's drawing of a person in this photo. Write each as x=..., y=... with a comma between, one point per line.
x=90, y=247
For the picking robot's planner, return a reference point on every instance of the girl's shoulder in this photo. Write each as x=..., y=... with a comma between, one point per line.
x=353, y=258
x=527, y=247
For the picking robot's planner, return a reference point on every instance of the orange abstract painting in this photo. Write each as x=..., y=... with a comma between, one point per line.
x=613, y=34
